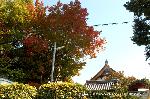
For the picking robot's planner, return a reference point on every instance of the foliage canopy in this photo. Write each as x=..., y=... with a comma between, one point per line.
x=28, y=32
x=141, y=28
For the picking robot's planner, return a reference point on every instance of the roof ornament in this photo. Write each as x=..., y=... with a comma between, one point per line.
x=106, y=62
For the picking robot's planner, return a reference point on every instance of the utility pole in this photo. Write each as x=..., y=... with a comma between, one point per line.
x=53, y=63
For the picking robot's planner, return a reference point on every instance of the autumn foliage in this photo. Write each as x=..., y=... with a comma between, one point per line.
x=123, y=81
x=65, y=24
x=34, y=44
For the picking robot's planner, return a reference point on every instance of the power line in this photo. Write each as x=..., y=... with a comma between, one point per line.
x=114, y=23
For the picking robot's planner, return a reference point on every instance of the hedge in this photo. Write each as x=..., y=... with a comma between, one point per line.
x=46, y=91
x=17, y=91
x=61, y=91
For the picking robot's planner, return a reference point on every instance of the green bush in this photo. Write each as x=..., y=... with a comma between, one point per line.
x=61, y=90
x=54, y=90
x=17, y=91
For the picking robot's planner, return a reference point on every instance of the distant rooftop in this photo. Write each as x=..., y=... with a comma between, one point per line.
x=5, y=81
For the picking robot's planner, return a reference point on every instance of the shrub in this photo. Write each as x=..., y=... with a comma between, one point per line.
x=17, y=91
x=62, y=90
x=104, y=94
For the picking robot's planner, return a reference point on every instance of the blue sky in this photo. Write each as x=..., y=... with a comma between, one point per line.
x=121, y=53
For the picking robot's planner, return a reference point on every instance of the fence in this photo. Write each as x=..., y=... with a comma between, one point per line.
x=86, y=95
x=141, y=94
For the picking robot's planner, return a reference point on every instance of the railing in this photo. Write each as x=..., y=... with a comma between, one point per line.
x=140, y=94
x=104, y=95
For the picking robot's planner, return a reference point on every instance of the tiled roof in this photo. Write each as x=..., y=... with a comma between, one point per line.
x=99, y=85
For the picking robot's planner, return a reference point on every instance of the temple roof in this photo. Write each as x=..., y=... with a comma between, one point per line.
x=103, y=72
x=98, y=82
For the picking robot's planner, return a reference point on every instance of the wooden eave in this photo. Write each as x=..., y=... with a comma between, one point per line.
x=99, y=74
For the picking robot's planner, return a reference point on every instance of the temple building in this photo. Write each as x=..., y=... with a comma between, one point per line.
x=99, y=81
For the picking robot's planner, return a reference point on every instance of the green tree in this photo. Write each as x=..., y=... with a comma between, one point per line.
x=141, y=27
x=31, y=50
x=13, y=16
x=123, y=81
